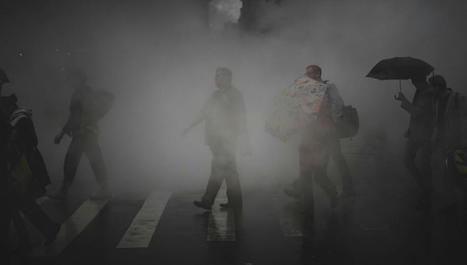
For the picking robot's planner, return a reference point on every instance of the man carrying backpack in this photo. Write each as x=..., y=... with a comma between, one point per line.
x=335, y=100
x=82, y=127
x=310, y=107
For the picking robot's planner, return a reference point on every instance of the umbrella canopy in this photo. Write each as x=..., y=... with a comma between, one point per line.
x=400, y=68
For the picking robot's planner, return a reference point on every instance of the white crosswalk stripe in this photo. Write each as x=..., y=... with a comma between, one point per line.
x=143, y=226
x=221, y=223
x=72, y=227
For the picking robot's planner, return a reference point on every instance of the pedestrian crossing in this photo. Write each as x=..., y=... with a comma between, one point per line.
x=143, y=226
x=72, y=227
x=221, y=224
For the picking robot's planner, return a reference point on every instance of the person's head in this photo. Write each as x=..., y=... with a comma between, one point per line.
x=76, y=77
x=3, y=78
x=223, y=77
x=313, y=72
x=438, y=84
x=7, y=106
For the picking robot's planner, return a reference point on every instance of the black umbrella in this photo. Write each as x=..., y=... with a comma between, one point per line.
x=400, y=68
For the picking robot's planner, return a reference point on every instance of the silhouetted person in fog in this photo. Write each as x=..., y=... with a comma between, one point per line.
x=26, y=175
x=3, y=80
x=334, y=98
x=225, y=118
x=83, y=129
x=4, y=218
x=317, y=139
x=451, y=142
x=419, y=136
x=451, y=119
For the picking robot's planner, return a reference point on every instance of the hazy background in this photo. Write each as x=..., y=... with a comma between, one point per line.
x=159, y=58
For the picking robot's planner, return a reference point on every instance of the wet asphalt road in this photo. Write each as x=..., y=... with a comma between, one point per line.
x=380, y=226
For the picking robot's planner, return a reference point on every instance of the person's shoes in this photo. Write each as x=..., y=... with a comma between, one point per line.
x=53, y=235
x=226, y=205
x=101, y=194
x=292, y=192
x=229, y=205
x=60, y=194
x=202, y=205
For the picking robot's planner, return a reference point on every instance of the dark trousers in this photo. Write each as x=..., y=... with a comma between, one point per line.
x=34, y=213
x=423, y=174
x=313, y=160
x=88, y=145
x=341, y=164
x=313, y=166
x=5, y=219
x=223, y=167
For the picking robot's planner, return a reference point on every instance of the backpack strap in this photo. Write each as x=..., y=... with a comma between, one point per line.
x=18, y=115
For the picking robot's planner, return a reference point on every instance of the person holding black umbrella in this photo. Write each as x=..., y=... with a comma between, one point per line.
x=422, y=110
x=422, y=123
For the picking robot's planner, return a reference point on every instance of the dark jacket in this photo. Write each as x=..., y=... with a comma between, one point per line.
x=225, y=116
x=3, y=162
x=422, y=112
x=451, y=130
x=78, y=121
x=23, y=142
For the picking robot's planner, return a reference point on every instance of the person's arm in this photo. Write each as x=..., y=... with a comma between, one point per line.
x=72, y=121
x=336, y=102
x=421, y=86
x=200, y=117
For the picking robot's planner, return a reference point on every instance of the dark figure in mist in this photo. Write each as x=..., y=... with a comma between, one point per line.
x=225, y=118
x=27, y=175
x=3, y=130
x=82, y=127
x=318, y=140
x=451, y=135
x=451, y=119
x=333, y=96
x=419, y=135
x=4, y=219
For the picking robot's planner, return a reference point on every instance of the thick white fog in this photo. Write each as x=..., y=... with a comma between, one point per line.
x=159, y=59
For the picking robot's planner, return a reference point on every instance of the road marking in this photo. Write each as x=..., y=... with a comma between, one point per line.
x=143, y=226
x=72, y=227
x=221, y=223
